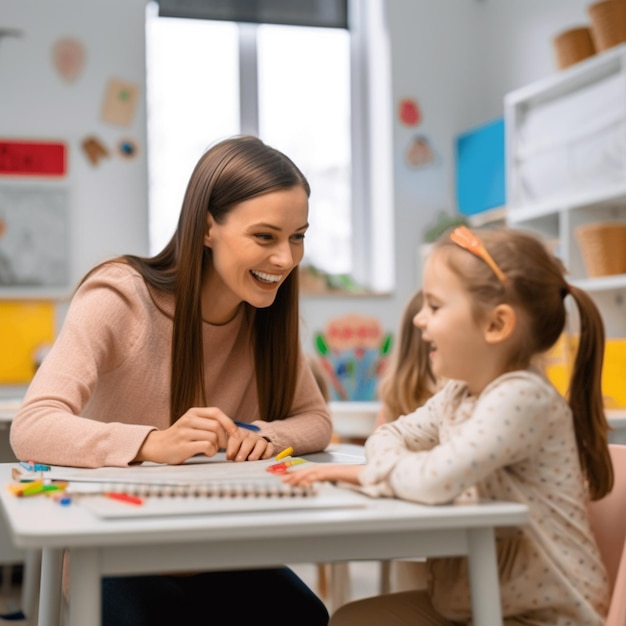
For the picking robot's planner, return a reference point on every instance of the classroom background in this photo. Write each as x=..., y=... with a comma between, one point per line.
x=75, y=167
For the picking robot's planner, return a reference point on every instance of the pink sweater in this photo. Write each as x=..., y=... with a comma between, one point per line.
x=105, y=383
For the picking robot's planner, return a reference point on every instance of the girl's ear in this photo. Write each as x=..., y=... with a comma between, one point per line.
x=501, y=323
x=207, y=234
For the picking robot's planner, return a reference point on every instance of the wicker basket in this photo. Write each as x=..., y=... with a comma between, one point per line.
x=603, y=248
x=608, y=23
x=573, y=45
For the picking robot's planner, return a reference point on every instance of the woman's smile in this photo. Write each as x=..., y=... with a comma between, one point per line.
x=265, y=278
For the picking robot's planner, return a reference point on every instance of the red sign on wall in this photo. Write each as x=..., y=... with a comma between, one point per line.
x=28, y=158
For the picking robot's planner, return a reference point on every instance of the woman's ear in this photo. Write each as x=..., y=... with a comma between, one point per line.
x=501, y=323
x=209, y=226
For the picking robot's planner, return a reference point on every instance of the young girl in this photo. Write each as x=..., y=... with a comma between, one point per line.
x=408, y=381
x=157, y=356
x=498, y=430
x=406, y=385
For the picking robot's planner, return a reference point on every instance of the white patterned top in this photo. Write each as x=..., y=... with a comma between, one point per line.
x=514, y=442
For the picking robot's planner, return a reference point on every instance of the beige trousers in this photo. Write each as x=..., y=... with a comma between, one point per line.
x=407, y=608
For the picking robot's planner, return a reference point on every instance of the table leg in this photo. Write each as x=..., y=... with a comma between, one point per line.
x=385, y=577
x=30, y=585
x=340, y=588
x=51, y=587
x=85, y=605
x=483, y=571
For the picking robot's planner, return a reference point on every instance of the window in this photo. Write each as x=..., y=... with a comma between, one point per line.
x=293, y=86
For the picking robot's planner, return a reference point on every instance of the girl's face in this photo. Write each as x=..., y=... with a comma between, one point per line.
x=458, y=348
x=254, y=250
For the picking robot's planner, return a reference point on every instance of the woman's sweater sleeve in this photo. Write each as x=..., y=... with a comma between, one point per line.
x=101, y=328
x=308, y=428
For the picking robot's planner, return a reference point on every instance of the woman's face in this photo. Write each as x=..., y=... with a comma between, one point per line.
x=254, y=250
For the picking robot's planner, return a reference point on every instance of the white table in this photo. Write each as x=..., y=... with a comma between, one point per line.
x=385, y=528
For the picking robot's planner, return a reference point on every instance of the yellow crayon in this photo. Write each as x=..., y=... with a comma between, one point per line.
x=284, y=453
x=18, y=489
x=38, y=489
x=295, y=461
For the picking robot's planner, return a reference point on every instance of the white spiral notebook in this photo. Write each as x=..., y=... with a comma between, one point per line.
x=201, y=486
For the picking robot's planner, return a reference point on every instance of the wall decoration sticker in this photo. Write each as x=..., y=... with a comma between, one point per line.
x=353, y=351
x=420, y=153
x=68, y=58
x=32, y=158
x=128, y=148
x=409, y=112
x=120, y=102
x=34, y=240
x=94, y=149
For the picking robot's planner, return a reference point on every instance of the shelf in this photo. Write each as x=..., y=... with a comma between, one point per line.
x=544, y=138
x=558, y=85
x=489, y=217
x=601, y=283
x=606, y=197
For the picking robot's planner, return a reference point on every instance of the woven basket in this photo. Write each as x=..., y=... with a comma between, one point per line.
x=608, y=23
x=603, y=248
x=572, y=46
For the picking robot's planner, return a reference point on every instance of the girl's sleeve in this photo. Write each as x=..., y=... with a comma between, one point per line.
x=308, y=428
x=100, y=328
x=390, y=442
x=507, y=425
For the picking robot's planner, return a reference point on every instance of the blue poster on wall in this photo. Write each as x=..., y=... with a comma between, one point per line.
x=480, y=168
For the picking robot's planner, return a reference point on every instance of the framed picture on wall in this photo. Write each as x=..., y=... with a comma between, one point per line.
x=34, y=240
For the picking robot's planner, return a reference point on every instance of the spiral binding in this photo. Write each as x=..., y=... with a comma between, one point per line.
x=209, y=490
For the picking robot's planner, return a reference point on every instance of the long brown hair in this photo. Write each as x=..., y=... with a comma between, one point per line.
x=408, y=381
x=536, y=285
x=230, y=172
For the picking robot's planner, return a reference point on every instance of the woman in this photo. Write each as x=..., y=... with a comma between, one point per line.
x=157, y=356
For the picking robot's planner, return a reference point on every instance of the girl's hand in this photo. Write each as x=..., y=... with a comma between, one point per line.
x=202, y=430
x=309, y=474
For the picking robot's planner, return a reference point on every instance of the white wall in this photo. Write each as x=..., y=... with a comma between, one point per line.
x=109, y=202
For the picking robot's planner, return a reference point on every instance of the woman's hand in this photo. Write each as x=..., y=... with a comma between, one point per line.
x=248, y=446
x=203, y=430
x=309, y=474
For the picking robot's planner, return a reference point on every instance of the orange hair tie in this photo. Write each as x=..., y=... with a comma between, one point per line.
x=466, y=239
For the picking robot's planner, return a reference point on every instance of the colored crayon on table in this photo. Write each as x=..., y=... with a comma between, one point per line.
x=285, y=453
x=35, y=490
x=124, y=497
x=31, y=466
x=281, y=468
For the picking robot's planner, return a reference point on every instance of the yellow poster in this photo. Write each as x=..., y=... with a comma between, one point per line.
x=26, y=332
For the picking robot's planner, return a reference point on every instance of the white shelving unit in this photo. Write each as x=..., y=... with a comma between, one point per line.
x=556, y=216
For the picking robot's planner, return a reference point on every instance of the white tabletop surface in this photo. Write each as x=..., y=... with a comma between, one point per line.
x=39, y=522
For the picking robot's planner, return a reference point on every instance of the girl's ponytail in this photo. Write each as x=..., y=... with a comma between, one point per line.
x=585, y=398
